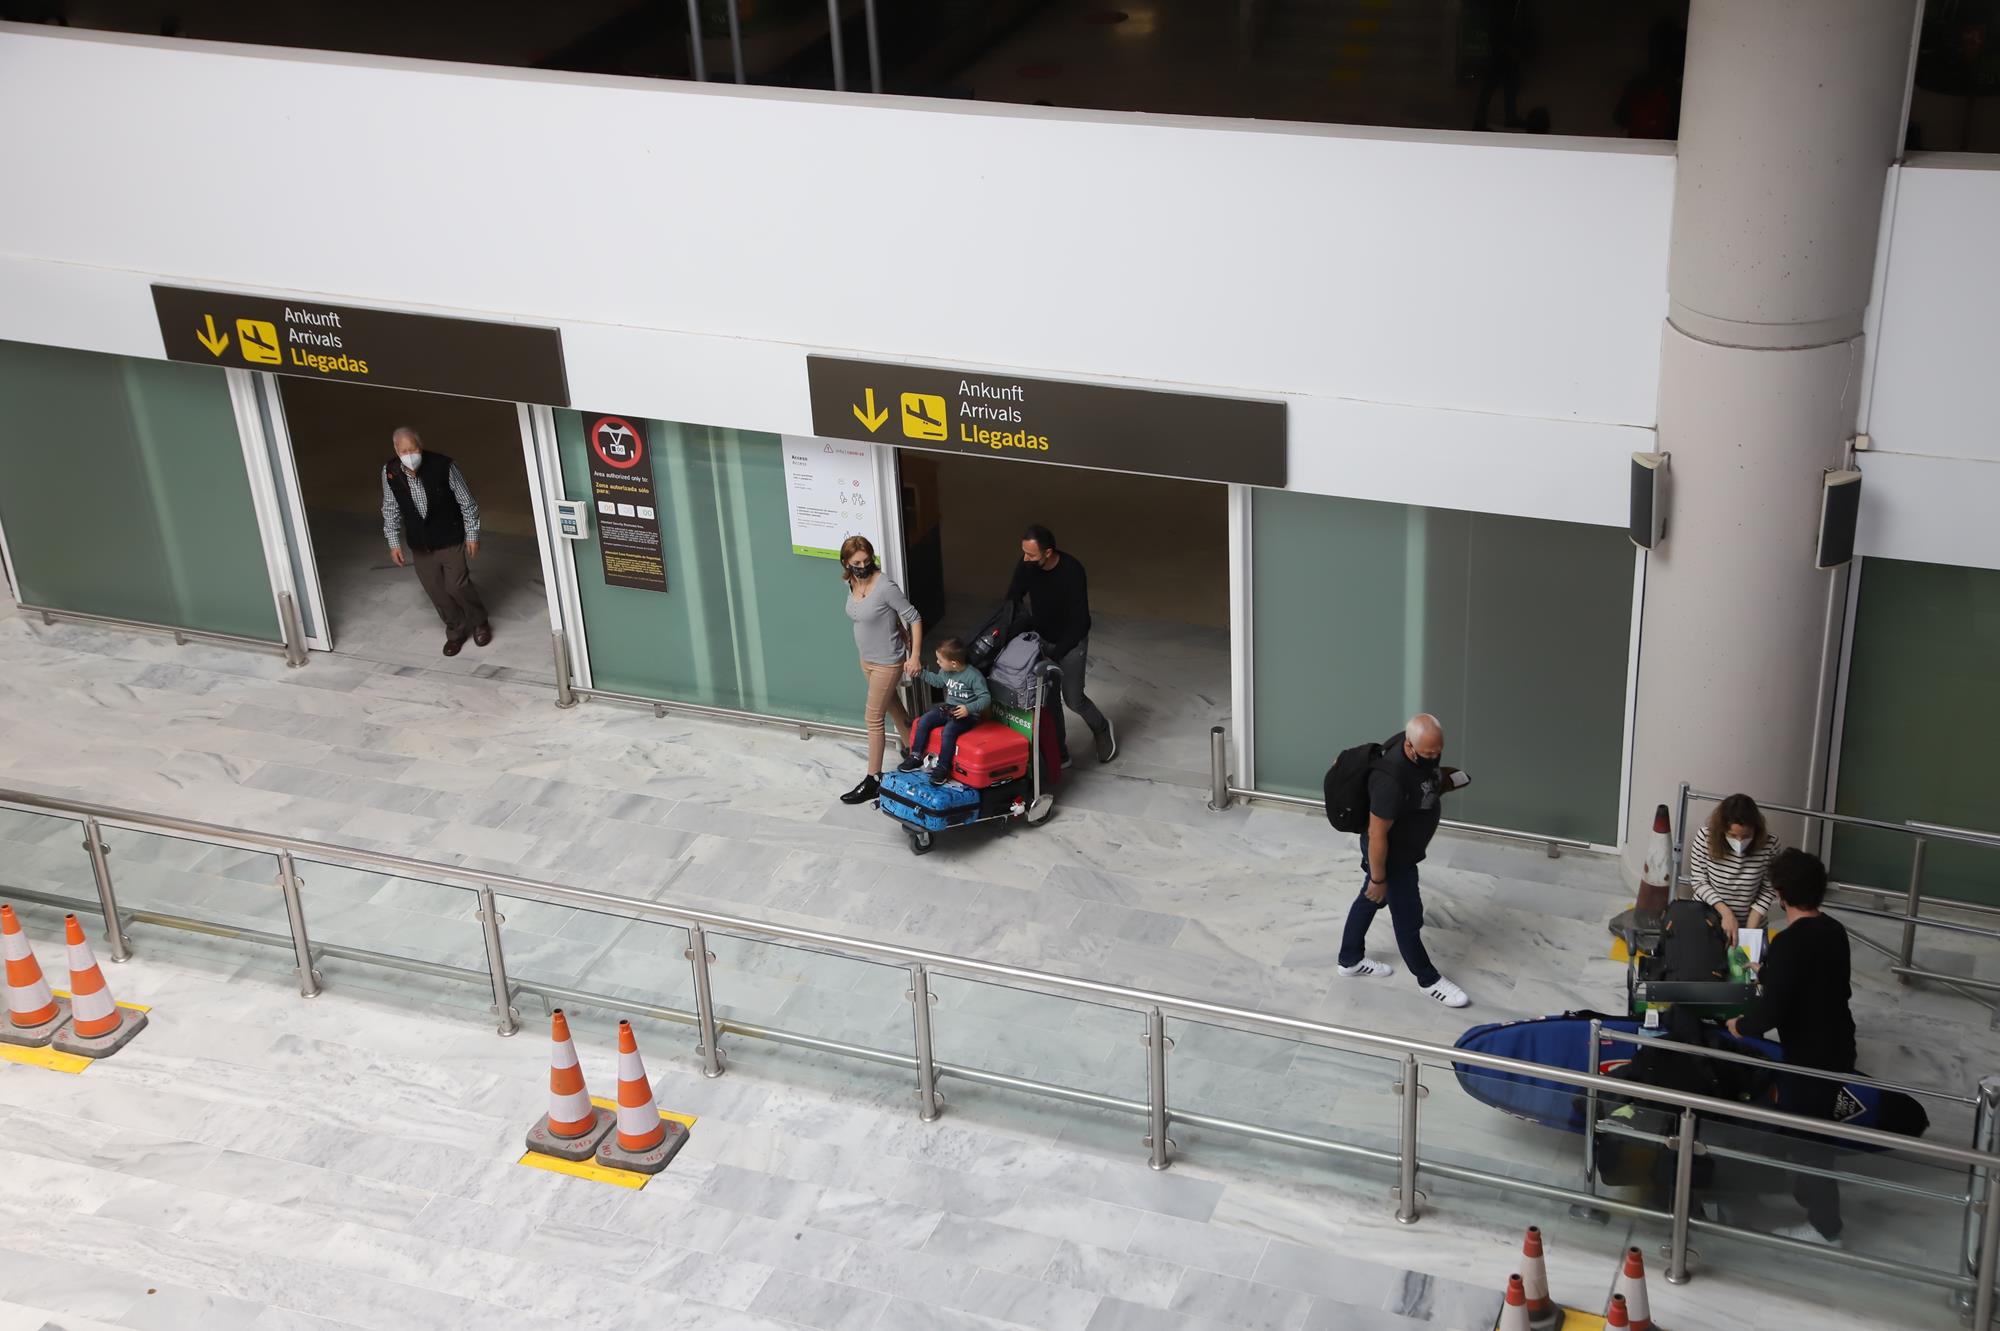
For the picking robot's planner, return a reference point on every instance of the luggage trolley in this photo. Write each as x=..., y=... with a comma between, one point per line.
x=924, y=810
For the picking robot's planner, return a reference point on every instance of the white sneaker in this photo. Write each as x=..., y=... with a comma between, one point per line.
x=1805, y=1233
x=1365, y=967
x=1447, y=993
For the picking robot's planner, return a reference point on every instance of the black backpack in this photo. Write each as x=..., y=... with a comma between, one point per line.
x=1692, y=944
x=1000, y=628
x=1346, y=787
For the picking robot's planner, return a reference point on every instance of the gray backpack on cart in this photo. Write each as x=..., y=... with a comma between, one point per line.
x=1012, y=678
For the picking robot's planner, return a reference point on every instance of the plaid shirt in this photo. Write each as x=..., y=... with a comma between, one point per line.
x=392, y=513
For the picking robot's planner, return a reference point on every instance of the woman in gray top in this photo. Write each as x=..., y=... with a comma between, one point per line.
x=890, y=639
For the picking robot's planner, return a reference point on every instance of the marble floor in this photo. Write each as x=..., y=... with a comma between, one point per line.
x=1133, y=881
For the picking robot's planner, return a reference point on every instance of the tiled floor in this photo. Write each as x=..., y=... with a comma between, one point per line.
x=1039, y=1213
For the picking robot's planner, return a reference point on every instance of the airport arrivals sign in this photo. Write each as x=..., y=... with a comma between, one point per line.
x=352, y=344
x=986, y=414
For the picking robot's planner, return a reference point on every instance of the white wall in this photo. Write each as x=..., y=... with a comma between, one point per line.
x=1465, y=320
x=1933, y=480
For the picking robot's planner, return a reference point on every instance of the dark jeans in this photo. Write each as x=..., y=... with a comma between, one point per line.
x=1406, y=912
x=947, y=746
x=1072, y=667
x=1813, y=1097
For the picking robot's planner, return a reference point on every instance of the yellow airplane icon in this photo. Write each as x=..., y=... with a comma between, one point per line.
x=923, y=416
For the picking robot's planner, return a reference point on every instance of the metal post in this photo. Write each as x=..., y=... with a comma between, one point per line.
x=1911, y=904
x=1590, y=1108
x=833, y=32
x=1680, y=836
x=1677, y=1254
x=1989, y=1242
x=694, y=42
x=565, y=694
x=874, y=49
x=928, y=1100
x=289, y=883
x=1218, y=768
x=293, y=628
x=107, y=900
x=1157, y=1045
x=699, y=956
x=736, y=41
x=1978, y=1184
x=1411, y=1089
x=496, y=964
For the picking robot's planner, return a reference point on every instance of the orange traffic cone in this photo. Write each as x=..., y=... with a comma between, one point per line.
x=644, y=1141
x=98, y=1027
x=1630, y=1290
x=1514, y=1312
x=1542, y=1311
x=33, y=1013
x=573, y=1128
x=1615, y=1315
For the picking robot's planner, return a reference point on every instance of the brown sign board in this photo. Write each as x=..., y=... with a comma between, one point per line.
x=352, y=344
x=987, y=414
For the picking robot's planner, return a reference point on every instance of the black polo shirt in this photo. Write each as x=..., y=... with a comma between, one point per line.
x=1407, y=795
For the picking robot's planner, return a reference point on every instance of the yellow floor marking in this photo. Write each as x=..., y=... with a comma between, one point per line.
x=623, y=1178
x=136, y=1007
x=685, y=1120
x=52, y=1059
x=1619, y=952
x=1575, y=1319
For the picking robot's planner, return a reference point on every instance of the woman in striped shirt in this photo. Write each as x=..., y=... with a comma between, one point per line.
x=1730, y=865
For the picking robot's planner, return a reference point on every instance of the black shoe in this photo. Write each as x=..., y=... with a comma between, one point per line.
x=1107, y=743
x=482, y=635
x=940, y=776
x=869, y=788
x=451, y=646
x=910, y=764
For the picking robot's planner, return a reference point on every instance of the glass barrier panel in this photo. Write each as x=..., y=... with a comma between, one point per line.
x=407, y=919
x=1272, y=1082
x=1509, y=1126
x=43, y=852
x=196, y=879
x=809, y=992
x=564, y=948
x=1067, y=1042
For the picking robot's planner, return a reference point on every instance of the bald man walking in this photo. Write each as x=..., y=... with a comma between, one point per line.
x=1405, y=786
x=427, y=505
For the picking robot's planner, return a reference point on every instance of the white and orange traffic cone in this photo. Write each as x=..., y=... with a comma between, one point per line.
x=644, y=1141
x=573, y=1128
x=1514, y=1312
x=1656, y=875
x=1630, y=1290
x=34, y=1015
x=98, y=1027
x=1543, y=1314
x=1615, y=1315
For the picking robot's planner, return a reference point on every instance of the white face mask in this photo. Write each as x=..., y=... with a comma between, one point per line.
x=412, y=460
x=1739, y=845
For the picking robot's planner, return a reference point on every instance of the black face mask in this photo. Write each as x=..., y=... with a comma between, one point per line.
x=1426, y=764
x=854, y=571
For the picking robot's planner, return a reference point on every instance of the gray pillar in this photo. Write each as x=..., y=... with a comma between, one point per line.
x=1791, y=115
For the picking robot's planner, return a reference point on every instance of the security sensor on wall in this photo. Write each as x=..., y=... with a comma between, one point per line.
x=1839, y=514
x=1649, y=499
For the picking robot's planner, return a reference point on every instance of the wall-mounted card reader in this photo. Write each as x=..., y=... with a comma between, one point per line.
x=573, y=519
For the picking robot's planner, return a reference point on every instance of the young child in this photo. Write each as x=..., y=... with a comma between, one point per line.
x=965, y=701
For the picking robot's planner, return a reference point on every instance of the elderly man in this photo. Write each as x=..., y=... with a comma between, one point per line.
x=427, y=505
x=1404, y=787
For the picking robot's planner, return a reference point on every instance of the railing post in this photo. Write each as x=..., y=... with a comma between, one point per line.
x=1157, y=1044
x=565, y=695
x=1912, y=903
x=1983, y=1274
x=874, y=49
x=1218, y=768
x=928, y=1100
x=699, y=957
x=293, y=628
x=107, y=899
x=834, y=36
x=694, y=41
x=1411, y=1088
x=289, y=883
x=736, y=41
x=1590, y=1108
x=490, y=920
x=1680, y=840
x=1677, y=1254
x=1979, y=1184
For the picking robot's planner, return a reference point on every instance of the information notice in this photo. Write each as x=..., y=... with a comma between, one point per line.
x=628, y=520
x=830, y=487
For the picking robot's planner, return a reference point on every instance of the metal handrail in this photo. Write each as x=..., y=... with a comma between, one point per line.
x=182, y=636
x=688, y=917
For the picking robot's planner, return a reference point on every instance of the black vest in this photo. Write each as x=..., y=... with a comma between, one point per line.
x=441, y=526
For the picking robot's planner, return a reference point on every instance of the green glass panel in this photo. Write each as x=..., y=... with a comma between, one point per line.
x=744, y=622
x=1921, y=723
x=123, y=492
x=1514, y=631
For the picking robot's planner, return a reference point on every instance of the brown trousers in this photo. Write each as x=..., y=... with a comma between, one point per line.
x=448, y=581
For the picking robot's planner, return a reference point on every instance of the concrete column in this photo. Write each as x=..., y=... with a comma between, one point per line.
x=1791, y=115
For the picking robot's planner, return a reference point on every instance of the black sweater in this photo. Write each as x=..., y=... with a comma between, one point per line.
x=1804, y=994
x=1058, y=602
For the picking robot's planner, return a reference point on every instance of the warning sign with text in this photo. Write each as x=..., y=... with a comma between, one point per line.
x=628, y=517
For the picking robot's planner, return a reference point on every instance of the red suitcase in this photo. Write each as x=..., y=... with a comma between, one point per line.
x=989, y=754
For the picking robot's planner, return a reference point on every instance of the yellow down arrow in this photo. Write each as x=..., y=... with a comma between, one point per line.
x=214, y=341
x=871, y=418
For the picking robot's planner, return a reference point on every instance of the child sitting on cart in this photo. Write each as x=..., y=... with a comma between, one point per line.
x=966, y=700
